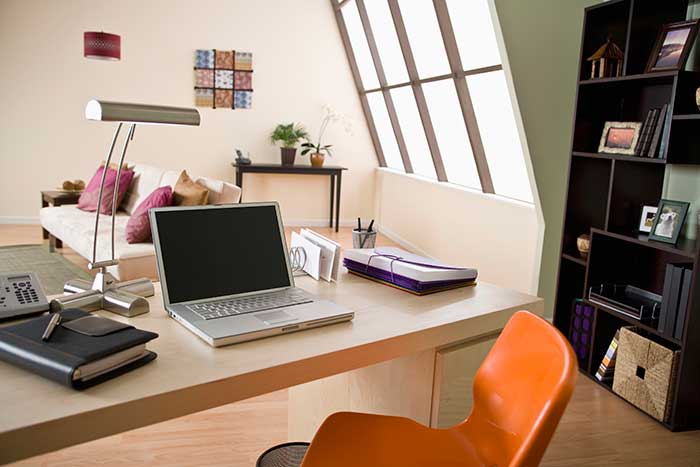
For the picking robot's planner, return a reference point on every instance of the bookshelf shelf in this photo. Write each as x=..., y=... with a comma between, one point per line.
x=606, y=192
x=634, y=322
x=574, y=259
x=619, y=157
x=687, y=117
x=637, y=77
x=685, y=247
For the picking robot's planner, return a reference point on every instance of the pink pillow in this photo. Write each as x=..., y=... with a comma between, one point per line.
x=138, y=228
x=89, y=198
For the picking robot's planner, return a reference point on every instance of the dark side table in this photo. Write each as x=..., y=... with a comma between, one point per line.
x=57, y=198
x=332, y=171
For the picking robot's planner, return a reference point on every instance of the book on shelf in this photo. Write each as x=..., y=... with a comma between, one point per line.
x=606, y=369
x=658, y=131
x=674, y=304
x=646, y=133
x=664, y=141
x=683, y=304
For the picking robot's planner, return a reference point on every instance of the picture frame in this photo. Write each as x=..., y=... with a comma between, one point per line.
x=620, y=138
x=672, y=46
x=646, y=221
x=669, y=221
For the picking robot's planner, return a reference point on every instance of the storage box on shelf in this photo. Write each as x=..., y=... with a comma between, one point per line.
x=606, y=192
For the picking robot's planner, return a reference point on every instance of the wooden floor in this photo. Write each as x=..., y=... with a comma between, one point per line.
x=598, y=429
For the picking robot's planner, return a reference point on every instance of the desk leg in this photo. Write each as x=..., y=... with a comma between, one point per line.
x=239, y=183
x=337, y=202
x=330, y=222
x=374, y=389
x=433, y=387
x=44, y=232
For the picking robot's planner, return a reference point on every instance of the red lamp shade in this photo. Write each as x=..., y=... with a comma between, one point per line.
x=102, y=46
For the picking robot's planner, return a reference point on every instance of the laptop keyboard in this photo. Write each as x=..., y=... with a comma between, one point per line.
x=239, y=306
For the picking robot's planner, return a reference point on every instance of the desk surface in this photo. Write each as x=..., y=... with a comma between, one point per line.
x=289, y=169
x=189, y=376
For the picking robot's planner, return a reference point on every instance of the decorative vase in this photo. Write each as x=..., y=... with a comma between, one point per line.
x=317, y=159
x=583, y=243
x=288, y=155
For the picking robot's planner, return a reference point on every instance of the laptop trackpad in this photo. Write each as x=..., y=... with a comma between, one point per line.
x=275, y=317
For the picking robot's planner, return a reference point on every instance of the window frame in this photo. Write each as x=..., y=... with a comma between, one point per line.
x=457, y=74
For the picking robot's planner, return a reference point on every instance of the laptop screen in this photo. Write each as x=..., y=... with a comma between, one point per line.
x=208, y=253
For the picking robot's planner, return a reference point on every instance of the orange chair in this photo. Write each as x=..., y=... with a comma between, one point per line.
x=520, y=393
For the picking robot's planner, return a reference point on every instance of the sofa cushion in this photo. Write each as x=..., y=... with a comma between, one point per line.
x=146, y=179
x=187, y=192
x=89, y=199
x=138, y=228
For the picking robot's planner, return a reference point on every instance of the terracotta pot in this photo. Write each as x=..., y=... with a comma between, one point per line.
x=288, y=155
x=317, y=159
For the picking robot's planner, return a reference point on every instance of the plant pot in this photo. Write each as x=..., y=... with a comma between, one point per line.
x=317, y=159
x=288, y=155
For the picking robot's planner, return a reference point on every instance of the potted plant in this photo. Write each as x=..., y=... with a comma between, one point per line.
x=289, y=135
x=317, y=150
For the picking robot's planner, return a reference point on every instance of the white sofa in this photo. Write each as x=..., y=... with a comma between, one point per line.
x=75, y=227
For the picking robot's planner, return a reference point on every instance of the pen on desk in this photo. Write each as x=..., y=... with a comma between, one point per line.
x=369, y=229
x=53, y=322
x=359, y=225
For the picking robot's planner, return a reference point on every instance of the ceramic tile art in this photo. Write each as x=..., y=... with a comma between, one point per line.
x=223, y=79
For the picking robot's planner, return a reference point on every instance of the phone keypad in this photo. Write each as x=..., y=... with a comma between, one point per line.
x=25, y=293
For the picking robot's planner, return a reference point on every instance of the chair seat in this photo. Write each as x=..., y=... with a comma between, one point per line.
x=362, y=440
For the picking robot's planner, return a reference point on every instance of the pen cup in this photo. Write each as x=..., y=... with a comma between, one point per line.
x=363, y=238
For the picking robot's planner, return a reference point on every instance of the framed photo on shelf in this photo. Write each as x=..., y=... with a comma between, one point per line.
x=668, y=224
x=648, y=217
x=620, y=138
x=673, y=46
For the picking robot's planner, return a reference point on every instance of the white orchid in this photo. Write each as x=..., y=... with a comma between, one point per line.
x=330, y=115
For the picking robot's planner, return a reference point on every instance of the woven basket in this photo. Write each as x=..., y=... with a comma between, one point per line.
x=645, y=373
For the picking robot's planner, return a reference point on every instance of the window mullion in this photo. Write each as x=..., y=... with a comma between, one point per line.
x=383, y=83
x=358, y=83
x=417, y=90
x=465, y=100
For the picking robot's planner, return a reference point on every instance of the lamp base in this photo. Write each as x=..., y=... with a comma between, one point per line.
x=123, y=298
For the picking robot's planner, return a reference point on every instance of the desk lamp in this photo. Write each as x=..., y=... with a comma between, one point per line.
x=124, y=298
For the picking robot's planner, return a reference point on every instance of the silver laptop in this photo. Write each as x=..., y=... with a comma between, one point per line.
x=226, y=277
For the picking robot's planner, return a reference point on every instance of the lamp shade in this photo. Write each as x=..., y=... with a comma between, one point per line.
x=102, y=46
x=140, y=113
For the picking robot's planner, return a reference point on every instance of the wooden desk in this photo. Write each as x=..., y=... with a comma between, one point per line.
x=391, y=359
x=334, y=172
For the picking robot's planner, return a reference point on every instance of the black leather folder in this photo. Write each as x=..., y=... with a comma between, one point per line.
x=69, y=350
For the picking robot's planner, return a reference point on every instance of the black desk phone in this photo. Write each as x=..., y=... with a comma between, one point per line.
x=21, y=294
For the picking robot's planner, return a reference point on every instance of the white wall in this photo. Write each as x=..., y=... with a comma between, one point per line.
x=299, y=65
x=499, y=237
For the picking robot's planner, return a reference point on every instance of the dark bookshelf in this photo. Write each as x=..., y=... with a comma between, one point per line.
x=606, y=192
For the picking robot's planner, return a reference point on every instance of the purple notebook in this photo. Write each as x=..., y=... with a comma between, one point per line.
x=399, y=280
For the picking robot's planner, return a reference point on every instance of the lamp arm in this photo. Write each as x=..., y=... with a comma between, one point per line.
x=115, y=196
x=102, y=185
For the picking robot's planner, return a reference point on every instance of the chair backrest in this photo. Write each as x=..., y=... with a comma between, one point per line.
x=520, y=393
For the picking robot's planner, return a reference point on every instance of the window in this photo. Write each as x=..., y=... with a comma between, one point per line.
x=385, y=132
x=431, y=79
x=387, y=41
x=412, y=128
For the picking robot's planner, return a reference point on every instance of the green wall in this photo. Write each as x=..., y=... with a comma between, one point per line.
x=542, y=39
